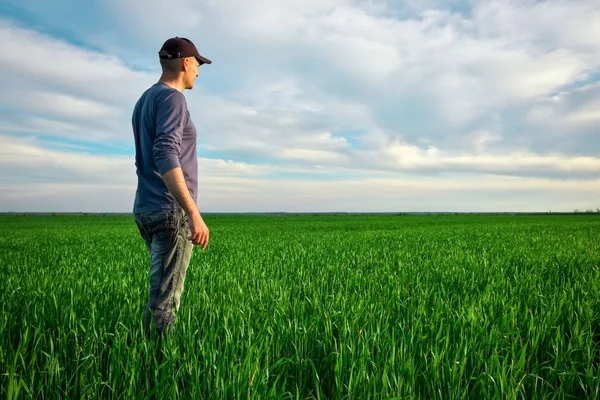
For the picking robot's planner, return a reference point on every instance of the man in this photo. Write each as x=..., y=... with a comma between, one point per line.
x=165, y=207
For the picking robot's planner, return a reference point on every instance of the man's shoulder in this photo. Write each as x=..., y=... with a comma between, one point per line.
x=161, y=93
x=161, y=100
x=171, y=100
x=166, y=93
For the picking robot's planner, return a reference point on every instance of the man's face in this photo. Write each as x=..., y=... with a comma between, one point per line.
x=191, y=71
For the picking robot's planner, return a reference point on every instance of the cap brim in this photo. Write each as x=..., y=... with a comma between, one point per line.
x=202, y=60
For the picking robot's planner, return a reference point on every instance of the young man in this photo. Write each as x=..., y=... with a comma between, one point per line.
x=165, y=207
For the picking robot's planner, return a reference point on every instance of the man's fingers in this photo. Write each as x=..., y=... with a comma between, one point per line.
x=194, y=238
x=204, y=239
x=200, y=238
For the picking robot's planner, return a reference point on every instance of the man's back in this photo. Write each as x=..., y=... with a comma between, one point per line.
x=165, y=138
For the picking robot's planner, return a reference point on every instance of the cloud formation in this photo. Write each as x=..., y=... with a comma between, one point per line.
x=329, y=96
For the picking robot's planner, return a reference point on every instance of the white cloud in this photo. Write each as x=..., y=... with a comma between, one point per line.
x=280, y=122
x=43, y=179
x=64, y=105
x=319, y=156
x=19, y=124
x=222, y=194
x=468, y=65
x=549, y=23
x=29, y=161
x=499, y=53
x=412, y=157
x=568, y=110
x=57, y=89
x=28, y=158
x=61, y=65
x=216, y=167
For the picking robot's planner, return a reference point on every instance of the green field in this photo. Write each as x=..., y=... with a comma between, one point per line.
x=296, y=307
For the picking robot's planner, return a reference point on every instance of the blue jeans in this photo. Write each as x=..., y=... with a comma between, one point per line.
x=165, y=234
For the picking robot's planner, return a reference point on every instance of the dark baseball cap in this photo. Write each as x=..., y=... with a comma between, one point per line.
x=178, y=47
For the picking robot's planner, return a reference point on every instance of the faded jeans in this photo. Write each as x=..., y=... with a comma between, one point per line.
x=165, y=234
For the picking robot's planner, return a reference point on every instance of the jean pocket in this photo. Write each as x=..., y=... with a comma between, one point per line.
x=160, y=217
x=165, y=238
x=183, y=220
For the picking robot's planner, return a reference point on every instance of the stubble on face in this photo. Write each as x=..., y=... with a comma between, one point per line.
x=191, y=72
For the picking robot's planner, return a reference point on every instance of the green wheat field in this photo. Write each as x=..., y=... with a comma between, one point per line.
x=307, y=307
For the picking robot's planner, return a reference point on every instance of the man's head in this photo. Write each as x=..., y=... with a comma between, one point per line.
x=180, y=59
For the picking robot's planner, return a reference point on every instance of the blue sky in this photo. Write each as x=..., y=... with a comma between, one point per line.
x=312, y=105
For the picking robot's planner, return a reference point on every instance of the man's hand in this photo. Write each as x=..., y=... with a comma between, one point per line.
x=198, y=230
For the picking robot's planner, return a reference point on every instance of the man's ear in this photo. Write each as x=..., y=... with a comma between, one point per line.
x=187, y=64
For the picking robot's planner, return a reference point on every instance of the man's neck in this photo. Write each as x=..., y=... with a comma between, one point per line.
x=175, y=83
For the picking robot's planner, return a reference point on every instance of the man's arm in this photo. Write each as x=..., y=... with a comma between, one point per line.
x=171, y=115
x=175, y=182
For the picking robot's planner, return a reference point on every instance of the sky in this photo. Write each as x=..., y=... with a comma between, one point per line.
x=310, y=105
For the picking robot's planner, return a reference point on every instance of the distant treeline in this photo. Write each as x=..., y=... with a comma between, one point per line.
x=333, y=213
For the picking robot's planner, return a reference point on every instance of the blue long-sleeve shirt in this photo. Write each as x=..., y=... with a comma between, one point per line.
x=165, y=138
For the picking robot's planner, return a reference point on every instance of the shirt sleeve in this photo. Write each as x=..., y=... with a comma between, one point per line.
x=170, y=119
